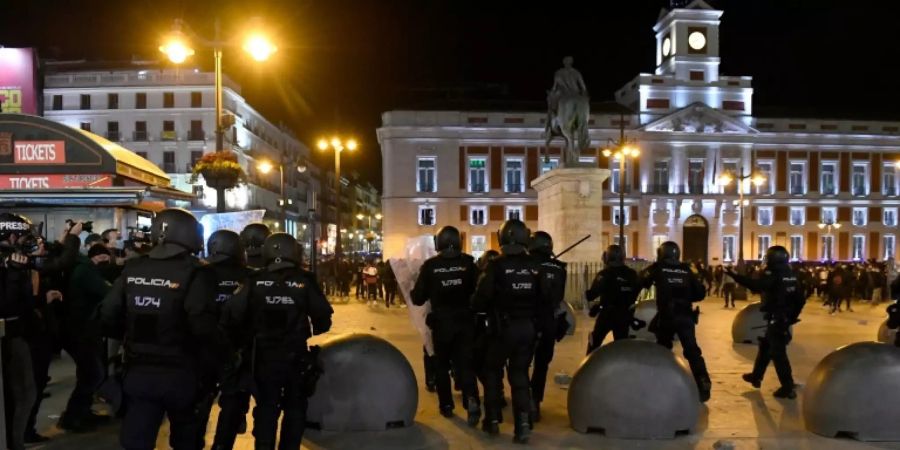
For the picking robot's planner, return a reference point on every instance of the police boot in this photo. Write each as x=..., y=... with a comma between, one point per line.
x=522, y=429
x=490, y=426
x=704, y=386
x=748, y=377
x=785, y=392
x=474, y=411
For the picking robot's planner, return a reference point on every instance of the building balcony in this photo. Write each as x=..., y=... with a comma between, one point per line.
x=515, y=188
x=478, y=188
x=114, y=136
x=168, y=167
x=168, y=136
x=889, y=192
x=425, y=187
x=658, y=189
x=139, y=136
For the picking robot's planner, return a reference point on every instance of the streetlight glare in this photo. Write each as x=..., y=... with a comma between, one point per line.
x=607, y=152
x=265, y=167
x=351, y=144
x=360, y=216
x=176, y=50
x=378, y=216
x=758, y=180
x=259, y=47
x=335, y=142
x=323, y=144
x=836, y=225
x=725, y=179
x=635, y=152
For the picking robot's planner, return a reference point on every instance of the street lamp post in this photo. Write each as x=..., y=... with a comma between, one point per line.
x=362, y=216
x=266, y=167
x=338, y=146
x=177, y=50
x=726, y=179
x=623, y=150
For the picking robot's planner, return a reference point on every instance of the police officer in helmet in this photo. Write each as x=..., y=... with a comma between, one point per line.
x=782, y=299
x=448, y=281
x=551, y=324
x=677, y=287
x=228, y=259
x=617, y=286
x=252, y=237
x=510, y=291
x=280, y=307
x=163, y=308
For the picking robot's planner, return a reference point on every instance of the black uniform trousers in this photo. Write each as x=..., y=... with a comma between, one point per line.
x=773, y=347
x=153, y=392
x=453, y=343
x=513, y=343
x=234, y=402
x=609, y=320
x=682, y=325
x=543, y=354
x=278, y=389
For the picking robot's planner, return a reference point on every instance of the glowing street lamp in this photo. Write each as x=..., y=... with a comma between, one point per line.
x=338, y=145
x=758, y=179
x=621, y=150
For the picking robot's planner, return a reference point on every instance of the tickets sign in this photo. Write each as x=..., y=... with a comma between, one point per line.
x=30, y=182
x=39, y=152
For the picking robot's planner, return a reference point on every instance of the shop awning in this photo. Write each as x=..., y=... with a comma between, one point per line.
x=146, y=198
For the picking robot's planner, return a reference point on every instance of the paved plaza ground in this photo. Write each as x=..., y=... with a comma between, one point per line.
x=737, y=414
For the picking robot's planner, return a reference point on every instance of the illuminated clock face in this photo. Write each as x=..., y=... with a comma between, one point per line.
x=697, y=40
x=666, y=46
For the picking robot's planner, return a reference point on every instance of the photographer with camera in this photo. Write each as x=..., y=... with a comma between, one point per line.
x=16, y=303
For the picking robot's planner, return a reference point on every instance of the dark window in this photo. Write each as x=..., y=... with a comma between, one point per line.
x=112, y=101
x=697, y=75
x=168, y=125
x=86, y=126
x=732, y=105
x=196, y=133
x=85, y=101
x=141, y=154
x=140, y=131
x=140, y=100
x=168, y=133
x=196, y=99
x=195, y=156
x=168, y=99
x=168, y=162
x=57, y=102
x=112, y=131
x=661, y=103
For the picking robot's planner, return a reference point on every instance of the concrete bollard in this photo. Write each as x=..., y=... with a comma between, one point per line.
x=367, y=385
x=887, y=335
x=633, y=389
x=854, y=392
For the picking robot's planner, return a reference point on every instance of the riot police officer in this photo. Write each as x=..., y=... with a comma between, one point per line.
x=448, y=281
x=551, y=325
x=510, y=291
x=676, y=288
x=226, y=255
x=163, y=308
x=252, y=237
x=782, y=299
x=617, y=285
x=280, y=307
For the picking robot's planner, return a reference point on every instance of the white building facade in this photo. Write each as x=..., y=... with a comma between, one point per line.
x=168, y=117
x=473, y=169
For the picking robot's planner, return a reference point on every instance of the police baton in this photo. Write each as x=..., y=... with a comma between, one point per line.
x=571, y=246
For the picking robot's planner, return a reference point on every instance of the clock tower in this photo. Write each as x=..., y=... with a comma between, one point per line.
x=687, y=42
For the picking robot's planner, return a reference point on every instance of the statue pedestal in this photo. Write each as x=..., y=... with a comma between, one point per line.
x=570, y=202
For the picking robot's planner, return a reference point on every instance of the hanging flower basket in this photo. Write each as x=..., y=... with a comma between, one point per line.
x=220, y=170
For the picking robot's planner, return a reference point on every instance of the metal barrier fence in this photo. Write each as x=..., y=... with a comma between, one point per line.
x=581, y=275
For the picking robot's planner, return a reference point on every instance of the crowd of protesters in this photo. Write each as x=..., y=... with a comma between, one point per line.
x=369, y=280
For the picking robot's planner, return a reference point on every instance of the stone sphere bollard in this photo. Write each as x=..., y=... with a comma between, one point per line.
x=887, y=335
x=633, y=389
x=854, y=392
x=366, y=385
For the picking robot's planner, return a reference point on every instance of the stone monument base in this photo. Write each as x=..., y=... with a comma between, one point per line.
x=570, y=203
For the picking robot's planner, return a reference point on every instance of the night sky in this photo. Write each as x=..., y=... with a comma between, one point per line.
x=341, y=63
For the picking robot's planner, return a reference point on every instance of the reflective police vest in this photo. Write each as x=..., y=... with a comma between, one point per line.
x=229, y=277
x=517, y=279
x=278, y=308
x=156, y=322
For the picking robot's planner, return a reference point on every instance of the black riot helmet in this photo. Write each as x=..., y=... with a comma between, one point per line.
x=177, y=226
x=253, y=236
x=541, y=243
x=668, y=252
x=613, y=256
x=281, y=250
x=514, y=232
x=447, y=238
x=11, y=224
x=777, y=255
x=224, y=245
